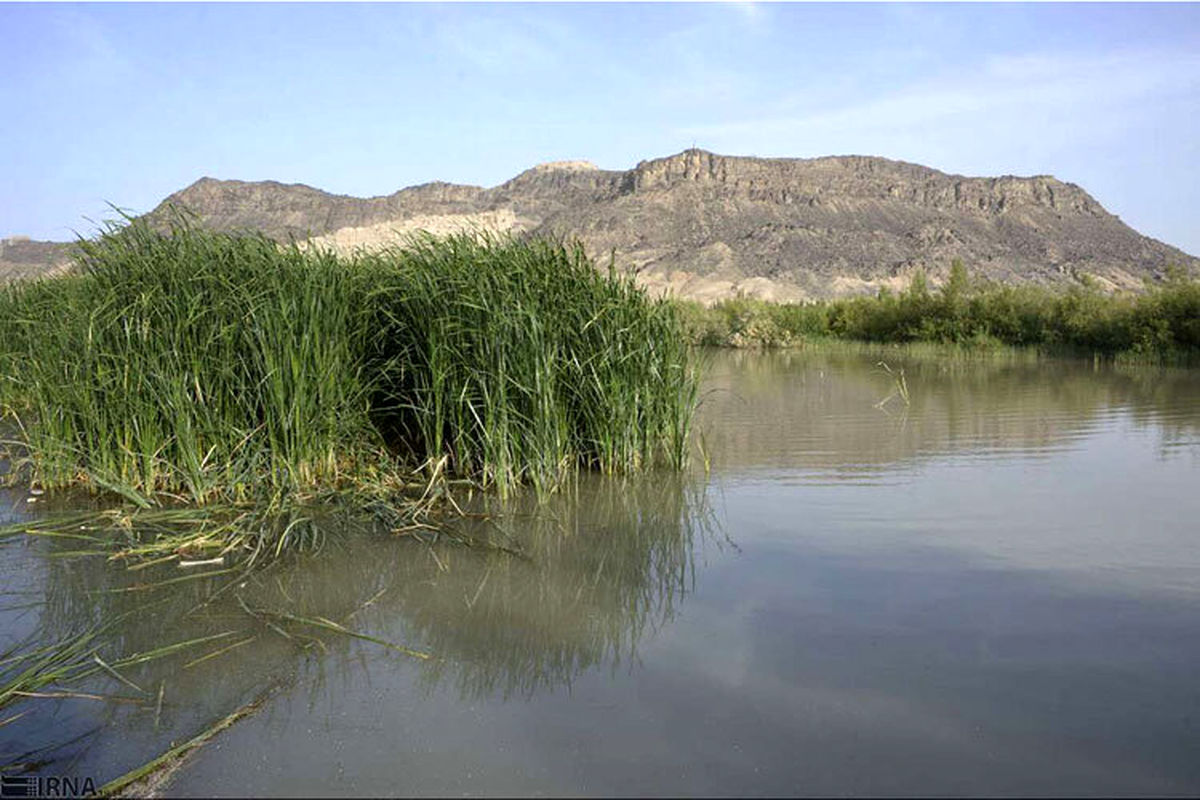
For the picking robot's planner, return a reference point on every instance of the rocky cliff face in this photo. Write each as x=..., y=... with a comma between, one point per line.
x=21, y=257
x=281, y=210
x=708, y=226
x=839, y=225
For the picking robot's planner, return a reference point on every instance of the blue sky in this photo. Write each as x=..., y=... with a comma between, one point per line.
x=127, y=103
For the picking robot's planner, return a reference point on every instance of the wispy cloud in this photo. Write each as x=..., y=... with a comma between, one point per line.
x=1013, y=96
x=88, y=53
x=700, y=62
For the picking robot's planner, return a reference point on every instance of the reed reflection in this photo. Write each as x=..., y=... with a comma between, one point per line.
x=543, y=592
x=508, y=602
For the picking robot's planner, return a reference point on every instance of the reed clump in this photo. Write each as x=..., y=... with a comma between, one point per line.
x=186, y=365
x=518, y=361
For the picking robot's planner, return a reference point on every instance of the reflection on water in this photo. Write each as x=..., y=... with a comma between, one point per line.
x=550, y=590
x=581, y=579
x=599, y=567
x=993, y=589
x=816, y=410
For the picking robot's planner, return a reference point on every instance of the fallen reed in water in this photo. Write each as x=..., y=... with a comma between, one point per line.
x=196, y=368
x=74, y=659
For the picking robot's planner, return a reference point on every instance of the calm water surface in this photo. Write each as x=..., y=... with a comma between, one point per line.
x=993, y=589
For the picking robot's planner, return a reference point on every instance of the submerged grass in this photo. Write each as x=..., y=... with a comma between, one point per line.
x=190, y=369
x=75, y=659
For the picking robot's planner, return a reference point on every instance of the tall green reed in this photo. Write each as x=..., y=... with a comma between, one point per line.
x=213, y=366
x=188, y=362
x=518, y=361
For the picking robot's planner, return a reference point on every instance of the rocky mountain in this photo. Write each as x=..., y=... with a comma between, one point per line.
x=708, y=226
x=22, y=257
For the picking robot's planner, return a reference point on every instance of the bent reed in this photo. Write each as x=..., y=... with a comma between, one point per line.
x=190, y=366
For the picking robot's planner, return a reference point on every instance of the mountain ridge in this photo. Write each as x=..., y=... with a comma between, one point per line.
x=707, y=226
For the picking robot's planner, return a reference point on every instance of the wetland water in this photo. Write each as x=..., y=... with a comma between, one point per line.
x=994, y=589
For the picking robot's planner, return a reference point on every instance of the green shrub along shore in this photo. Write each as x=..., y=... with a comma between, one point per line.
x=200, y=367
x=1162, y=324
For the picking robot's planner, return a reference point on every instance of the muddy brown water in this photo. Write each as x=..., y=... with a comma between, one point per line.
x=992, y=589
